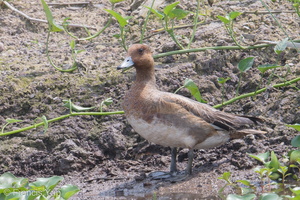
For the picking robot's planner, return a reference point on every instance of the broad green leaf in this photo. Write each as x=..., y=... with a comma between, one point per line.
x=223, y=80
x=115, y=1
x=178, y=13
x=49, y=183
x=238, y=197
x=170, y=7
x=53, y=27
x=6, y=180
x=245, y=182
x=262, y=157
x=274, y=164
x=295, y=126
x=270, y=196
x=245, y=64
x=122, y=21
x=295, y=190
x=14, y=196
x=281, y=46
x=68, y=191
x=9, y=120
x=224, y=19
x=264, y=68
x=233, y=15
x=192, y=87
x=296, y=141
x=74, y=107
x=159, y=14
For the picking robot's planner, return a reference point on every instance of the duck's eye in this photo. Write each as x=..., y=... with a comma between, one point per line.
x=141, y=51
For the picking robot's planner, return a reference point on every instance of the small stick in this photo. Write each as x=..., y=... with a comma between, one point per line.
x=69, y=4
x=41, y=20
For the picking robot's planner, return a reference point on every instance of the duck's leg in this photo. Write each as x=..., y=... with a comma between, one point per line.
x=173, y=167
x=190, y=162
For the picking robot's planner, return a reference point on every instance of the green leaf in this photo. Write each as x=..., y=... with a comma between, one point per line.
x=178, y=13
x=294, y=156
x=159, y=14
x=245, y=182
x=72, y=44
x=223, y=80
x=192, y=87
x=269, y=196
x=281, y=46
x=233, y=15
x=53, y=27
x=224, y=19
x=79, y=51
x=238, y=197
x=264, y=68
x=49, y=183
x=295, y=190
x=226, y=177
x=68, y=191
x=262, y=157
x=245, y=64
x=170, y=7
x=122, y=21
x=295, y=126
x=115, y=1
x=296, y=141
x=74, y=107
x=274, y=164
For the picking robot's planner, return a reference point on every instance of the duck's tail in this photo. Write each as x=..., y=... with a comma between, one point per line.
x=243, y=132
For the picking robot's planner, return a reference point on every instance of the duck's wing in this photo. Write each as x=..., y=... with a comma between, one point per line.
x=219, y=119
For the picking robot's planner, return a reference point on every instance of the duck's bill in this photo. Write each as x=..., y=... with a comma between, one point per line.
x=126, y=64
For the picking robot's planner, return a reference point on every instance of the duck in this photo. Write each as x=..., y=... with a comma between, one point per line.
x=173, y=120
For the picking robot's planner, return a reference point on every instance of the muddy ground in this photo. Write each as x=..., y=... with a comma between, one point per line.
x=103, y=155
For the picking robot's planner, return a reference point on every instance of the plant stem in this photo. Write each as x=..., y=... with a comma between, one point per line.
x=257, y=92
x=195, y=24
x=146, y=22
x=60, y=118
x=50, y=60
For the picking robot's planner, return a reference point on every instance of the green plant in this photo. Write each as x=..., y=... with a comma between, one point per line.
x=228, y=23
x=123, y=21
x=243, y=66
x=13, y=188
x=169, y=14
x=194, y=90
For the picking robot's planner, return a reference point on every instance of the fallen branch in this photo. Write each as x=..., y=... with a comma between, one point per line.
x=41, y=20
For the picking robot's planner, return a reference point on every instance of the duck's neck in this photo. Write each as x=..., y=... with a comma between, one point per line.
x=145, y=76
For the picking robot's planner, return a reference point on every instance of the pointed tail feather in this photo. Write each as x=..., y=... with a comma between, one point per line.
x=243, y=132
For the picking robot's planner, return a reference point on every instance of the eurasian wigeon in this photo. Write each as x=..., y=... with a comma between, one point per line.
x=172, y=120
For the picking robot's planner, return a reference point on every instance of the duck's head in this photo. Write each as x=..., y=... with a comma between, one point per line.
x=138, y=56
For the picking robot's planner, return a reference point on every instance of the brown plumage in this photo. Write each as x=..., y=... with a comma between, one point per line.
x=172, y=120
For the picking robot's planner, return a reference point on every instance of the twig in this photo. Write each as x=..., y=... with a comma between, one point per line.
x=70, y=4
x=287, y=83
x=60, y=118
x=213, y=48
x=41, y=20
x=266, y=12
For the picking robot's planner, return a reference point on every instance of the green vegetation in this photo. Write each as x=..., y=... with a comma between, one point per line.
x=13, y=188
x=276, y=170
x=272, y=176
